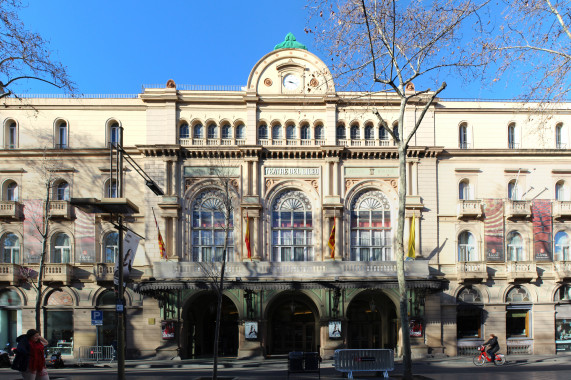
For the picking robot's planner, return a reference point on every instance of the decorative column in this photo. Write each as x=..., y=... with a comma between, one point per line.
x=255, y=168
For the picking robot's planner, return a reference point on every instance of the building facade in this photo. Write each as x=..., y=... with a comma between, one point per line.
x=305, y=165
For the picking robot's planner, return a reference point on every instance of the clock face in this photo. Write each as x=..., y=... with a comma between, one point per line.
x=291, y=82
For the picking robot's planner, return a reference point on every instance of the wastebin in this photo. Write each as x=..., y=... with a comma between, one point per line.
x=295, y=361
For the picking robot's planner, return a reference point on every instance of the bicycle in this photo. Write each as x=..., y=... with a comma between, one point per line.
x=483, y=357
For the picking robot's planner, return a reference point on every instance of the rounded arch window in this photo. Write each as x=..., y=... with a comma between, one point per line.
x=469, y=313
x=113, y=133
x=277, y=132
x=111, y=188
x=59, y=318
x=226, y=131
x=305, y=134
x=369, y=132
x=563, y=294
x=513, y=190
x=110, y=247
x=562, y=246
x=319, y=132
x=561, y=192
x=292, y=227
x=263, y=132
x=62, y=191
x=515, y=247
x=9, y=298
x=11, y=135
x=198, y=131
x=512, y=139
x=290, y=132
x=371, y=228
x=240, y=131
x=518, y=294
x=464, y=190
x=383, y=133
x=469, y=295
x=62, y=134
x=463, y=136
x=467, y=247
x=212, y=131
x=10, y=249
x=340, y=131
x=209, y=227
x=355, y=132
x=184, y=131
x=61, y=251
x=10, y=190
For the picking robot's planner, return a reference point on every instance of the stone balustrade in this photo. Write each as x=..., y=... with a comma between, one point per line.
x=469, y=208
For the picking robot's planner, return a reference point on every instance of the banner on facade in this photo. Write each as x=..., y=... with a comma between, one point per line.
x=494, y=229
x=33, y=218
x=168, y=330
x=130, y=245
x=542, y=229
x=84, y=237
x=251, y=329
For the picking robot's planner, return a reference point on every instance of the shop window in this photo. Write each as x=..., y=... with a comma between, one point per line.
x=10, y=249
x=108, y=331
x=371, y=229
x=469, y=321
x=517, y=323
x=10, y=317
x=208, y=228
x=61, y=249
x=467, y=247
x=292, y=227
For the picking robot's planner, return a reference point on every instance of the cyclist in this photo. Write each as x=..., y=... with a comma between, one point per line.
x=493, y=346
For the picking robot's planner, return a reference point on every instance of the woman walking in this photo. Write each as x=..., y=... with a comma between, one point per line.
x=30, y=359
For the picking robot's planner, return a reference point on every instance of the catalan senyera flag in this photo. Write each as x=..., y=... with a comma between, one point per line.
x=247, y=237
x=331, y=242
x=411, y=238
x=162, y=248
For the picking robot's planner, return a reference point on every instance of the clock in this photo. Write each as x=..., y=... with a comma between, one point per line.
x=291, y=82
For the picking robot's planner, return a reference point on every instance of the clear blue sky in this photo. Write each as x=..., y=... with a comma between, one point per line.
x=114, y=47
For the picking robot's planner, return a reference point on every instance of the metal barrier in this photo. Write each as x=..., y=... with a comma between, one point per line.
x=364, y=360
x=303, y=362
x=90, y=354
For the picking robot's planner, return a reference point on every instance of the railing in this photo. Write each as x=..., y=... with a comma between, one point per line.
x=90, y=354
x=472, y=270
x=10, y=273
x=58, y=273
x=356, y=142
x=563, y=269
x=287, y=270
x=319, y=141
x=77, y=96
x=521, y=270
x=277, y=142
x=518, y=208
x=468, y=348
x=199, y=87
x=469, y=208
x=264, y=142
x=10, y=209
x=104, y=271
x=342, y=142
x=226, y=142
x=561, y=209
x=60, y=209
x=517, y=347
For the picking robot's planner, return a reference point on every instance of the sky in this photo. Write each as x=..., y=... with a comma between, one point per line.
x=115, y=47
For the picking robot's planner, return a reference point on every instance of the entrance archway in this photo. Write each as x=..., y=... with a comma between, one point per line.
x=292, y=325
x=371, y=321
x=201, y=322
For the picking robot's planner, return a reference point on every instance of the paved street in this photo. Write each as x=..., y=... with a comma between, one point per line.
x=520, y=368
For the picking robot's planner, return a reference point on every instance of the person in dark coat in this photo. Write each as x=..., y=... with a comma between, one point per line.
x=493, y=346
x=30, y=359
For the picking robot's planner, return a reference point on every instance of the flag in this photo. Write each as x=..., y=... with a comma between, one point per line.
x=331, y=242
x=247, y=238
x=411, y=238
x=162, y=248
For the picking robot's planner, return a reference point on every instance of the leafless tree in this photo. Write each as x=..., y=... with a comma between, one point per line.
x=24, y=55
x=385, y=45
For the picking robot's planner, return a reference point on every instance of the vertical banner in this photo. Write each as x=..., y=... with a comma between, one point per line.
x=84, y=237
x=251, y=329
x=542, y=229
x=33, y=219
x=130, y=245
x=494, y=229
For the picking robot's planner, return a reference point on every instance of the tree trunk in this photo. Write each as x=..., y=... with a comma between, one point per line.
x=44, y=233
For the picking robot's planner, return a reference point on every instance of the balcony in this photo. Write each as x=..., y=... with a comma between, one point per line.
x=60, y=209
x=563, y=270
x=518, y=209
x=11, y=273
x=562, y=209
x=521, y=271
x=477, y=271
x=469, y=208
x=58, y=273
x=289, y=271
x=10, y=210
x=104, y=272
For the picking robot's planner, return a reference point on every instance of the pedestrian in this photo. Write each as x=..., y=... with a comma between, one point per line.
x=30, y=358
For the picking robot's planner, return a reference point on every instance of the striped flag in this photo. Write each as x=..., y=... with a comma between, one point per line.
x=162, y=248
x=331, y=242
x=247, y=238
x=411, y=238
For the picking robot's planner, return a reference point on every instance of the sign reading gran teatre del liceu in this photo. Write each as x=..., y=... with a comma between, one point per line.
x=291, y=172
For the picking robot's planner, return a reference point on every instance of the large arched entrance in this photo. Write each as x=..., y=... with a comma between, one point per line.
x=371, y=321
x=200, y=323
x=292, y=325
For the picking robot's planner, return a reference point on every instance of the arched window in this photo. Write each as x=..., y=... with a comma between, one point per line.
x=277, y=132
x=561, y=193
x=209, y=227
x=292, y=227
x=463, y=136
x=11, y=191
x=464, y=190
x=518, y=316
x=59, y=319
x=469, y=314
x=62, y=191
x=226, y=131
x=305, y=135
x=396, y=129
x=340, y=132
x=518, y=294
x=110, y=247
x=516, y=250
x=563, y=293
x=106, y=303
x=10, y=249
x=513, y=190
x=62, y=135
x=111, y=188
x=560, y=137
x=290, y=132
x=184, y=131
x=319, y=132
x=562, y=246
x=263, y=132
x=61, y=251
x=512, y=137
x=383, y=134
x=355, y=132
x=198, y=131
x=212, y=131
x=371, y=229
x=11, y=135
x=240, y=132
x=467, y=247
x=113, y=133
x=369, y=132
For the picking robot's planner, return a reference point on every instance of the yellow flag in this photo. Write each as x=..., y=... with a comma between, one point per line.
x=411, y=238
